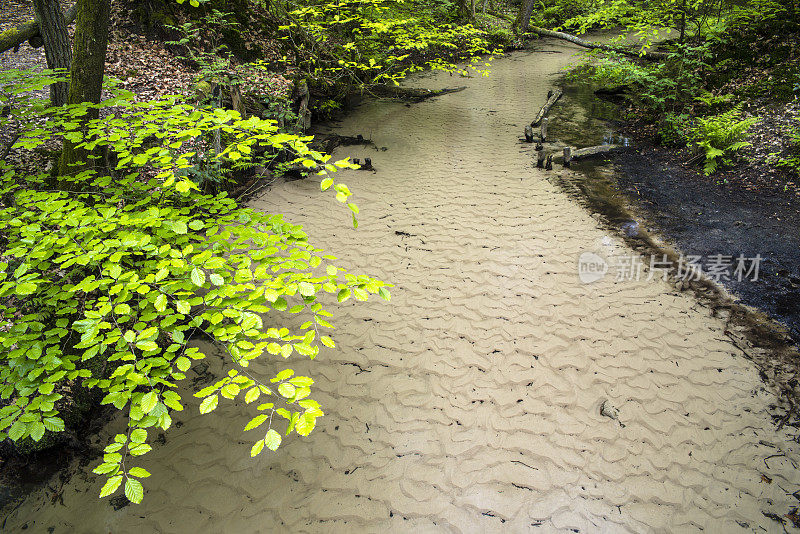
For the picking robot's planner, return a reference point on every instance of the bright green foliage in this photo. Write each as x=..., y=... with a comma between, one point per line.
x=648, y=20
x=376, y=41
x=104, y=280
x=657, y=86
x=721, y=135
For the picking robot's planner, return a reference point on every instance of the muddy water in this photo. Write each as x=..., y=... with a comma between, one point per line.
x=497, y=393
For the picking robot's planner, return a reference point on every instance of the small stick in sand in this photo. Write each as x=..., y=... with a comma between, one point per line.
x=567, y=156
x=548, y=166
x=540, y=156
x=544, y=129
x=528, y=134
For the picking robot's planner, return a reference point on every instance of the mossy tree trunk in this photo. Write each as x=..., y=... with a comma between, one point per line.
x=86, y=74
x=53, y=29
x=29, y=31
x=523, y=19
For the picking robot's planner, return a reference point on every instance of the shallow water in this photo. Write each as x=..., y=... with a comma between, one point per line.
x=472, y=402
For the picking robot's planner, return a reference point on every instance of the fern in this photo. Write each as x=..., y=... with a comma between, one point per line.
x=721, y=135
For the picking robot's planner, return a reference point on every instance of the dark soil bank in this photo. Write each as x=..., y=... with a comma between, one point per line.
x=706, y=219
x=697, y=214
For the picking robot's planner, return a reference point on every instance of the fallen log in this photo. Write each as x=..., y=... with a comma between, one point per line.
x=590, y=151
x=29, y=31
x=570, y=154
x=658, y=56
x=409, y=94
x=552, y=98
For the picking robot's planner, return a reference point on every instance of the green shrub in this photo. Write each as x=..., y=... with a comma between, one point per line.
x=720, y=136
x=673, y=129
x=106, y=275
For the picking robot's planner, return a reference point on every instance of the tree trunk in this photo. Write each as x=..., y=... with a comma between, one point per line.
x=53, y=29
x=588, y=44
x=86, y=74
x=28, y=31
x=524, y=16
x=464, y=11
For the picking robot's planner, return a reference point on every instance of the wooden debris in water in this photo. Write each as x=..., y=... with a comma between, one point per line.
x=552, y=98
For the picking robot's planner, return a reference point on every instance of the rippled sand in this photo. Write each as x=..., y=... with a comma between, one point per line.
x=471, y=403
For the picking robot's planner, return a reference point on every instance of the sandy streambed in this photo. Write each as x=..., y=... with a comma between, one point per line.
x=472, y=403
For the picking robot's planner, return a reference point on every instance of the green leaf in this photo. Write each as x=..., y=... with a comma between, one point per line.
x=179, y=227
x=306, y=289
x=305, y=424
x=216, y=279
x=25, y=288
x=286, y=390
x=208, y=404
x=283, y=375
x=272, y=440
x=183, y=363
x=258, y=446
x=251, y=395
x=149, y=401
x=301, y=381
x=326, y=184
x=256, y=421
x=134, y=490
x=53, y=424
x=183, y=307
x=140, y=449
x=105, y=468
x=37, y=430
x=138, y=472
x=327, y=341
x=198, y=277
x=146, y=345
x=139, y=435
x=111, y=486
x=161, y=302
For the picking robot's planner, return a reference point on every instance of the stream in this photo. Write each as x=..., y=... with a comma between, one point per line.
x=497, y=392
